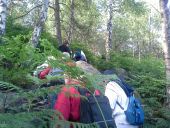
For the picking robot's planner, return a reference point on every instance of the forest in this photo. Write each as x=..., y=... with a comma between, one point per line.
x=129, y=37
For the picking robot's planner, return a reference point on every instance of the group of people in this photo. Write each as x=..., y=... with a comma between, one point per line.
x=77, y=55
x=69, y=107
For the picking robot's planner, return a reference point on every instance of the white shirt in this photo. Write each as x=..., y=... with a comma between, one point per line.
x=82, y=53
x=115, y=93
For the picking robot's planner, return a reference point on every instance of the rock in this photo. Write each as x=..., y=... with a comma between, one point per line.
x=6, y=99
x=87, y=68
x=122, y=73
x=108, y=72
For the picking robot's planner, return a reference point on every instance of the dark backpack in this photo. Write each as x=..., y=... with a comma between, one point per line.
x=90, y=112
x=77, y=55
x=51, y=100
x=95, y=109
x=134, y=113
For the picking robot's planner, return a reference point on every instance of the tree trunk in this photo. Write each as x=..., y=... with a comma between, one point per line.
x=133, y=49
x=38, y=28
x=139, y=51
x=149, y=35
x=71, y=26
x=3, y=9
x=108, y=44
x=165, y=13
x=57, y=20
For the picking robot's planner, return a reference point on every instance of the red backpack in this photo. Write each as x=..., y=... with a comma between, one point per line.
x=68, y=103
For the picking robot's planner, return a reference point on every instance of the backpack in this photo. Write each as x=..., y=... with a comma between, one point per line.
x=90, y=112
x=134, y=113
x=95, y=109
x=77, y=55
x=51, y=100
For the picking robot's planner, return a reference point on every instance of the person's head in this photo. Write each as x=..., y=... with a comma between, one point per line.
x=66, y=42
x=78, y=50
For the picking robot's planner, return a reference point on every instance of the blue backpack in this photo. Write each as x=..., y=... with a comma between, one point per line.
x=134, y=113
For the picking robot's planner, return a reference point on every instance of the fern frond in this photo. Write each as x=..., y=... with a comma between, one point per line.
x=8, y=86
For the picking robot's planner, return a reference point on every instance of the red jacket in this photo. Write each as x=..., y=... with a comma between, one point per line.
x=68, y=103
x=43, y=73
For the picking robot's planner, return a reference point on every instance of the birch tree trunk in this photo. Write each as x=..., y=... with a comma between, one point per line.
x=165, y=13
x=139, y=51
x=108, y=44
x=57, y=20
x=71, y=26
x=3, y=9
x=38, y=28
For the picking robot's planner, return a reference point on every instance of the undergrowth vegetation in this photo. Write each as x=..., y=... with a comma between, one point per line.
x=147, y=76
x=18, y=60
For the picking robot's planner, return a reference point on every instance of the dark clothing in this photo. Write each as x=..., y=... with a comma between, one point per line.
x=64, y=48
x=79, y=55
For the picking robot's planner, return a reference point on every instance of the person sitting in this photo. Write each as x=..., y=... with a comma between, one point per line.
x=64, y=48
x=117, y=95
x=79, y=55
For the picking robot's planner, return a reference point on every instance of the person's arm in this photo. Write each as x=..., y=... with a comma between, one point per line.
x=43, y=73
x=83, y=54
x=67, y=49
x=68, y=103
x=60, y=48
x=62, y=103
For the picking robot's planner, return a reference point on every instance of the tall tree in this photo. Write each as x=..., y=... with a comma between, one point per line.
x=71, y=26
x=165, y=13
x=38, y=28
x=57, y=20
x=108, y=44
x=3, y=9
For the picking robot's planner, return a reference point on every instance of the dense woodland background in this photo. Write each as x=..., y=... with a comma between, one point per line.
x=124, y=35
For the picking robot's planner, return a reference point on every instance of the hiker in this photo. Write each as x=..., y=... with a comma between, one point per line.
x=116, y=96
x=64, y=48
x=79, y=55
x=45, y=69
x=67, y=103
x=73, y=108
x=45, y=66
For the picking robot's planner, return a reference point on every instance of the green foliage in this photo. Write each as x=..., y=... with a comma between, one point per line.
x=18, y=59
x=28, y=114
x=15, y=29
x=21, y=59
x=131, y=27
x=148, y=78
x=38, y=120
x=134, y=7
x=50, y=38
x=99, y=81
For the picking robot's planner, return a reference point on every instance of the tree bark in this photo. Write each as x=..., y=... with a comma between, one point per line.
x=108, y=44
x=3, y=11
x=71, y=26
x=139, y=51
x=57, y=20
x=38, y=28
x=165, y=14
